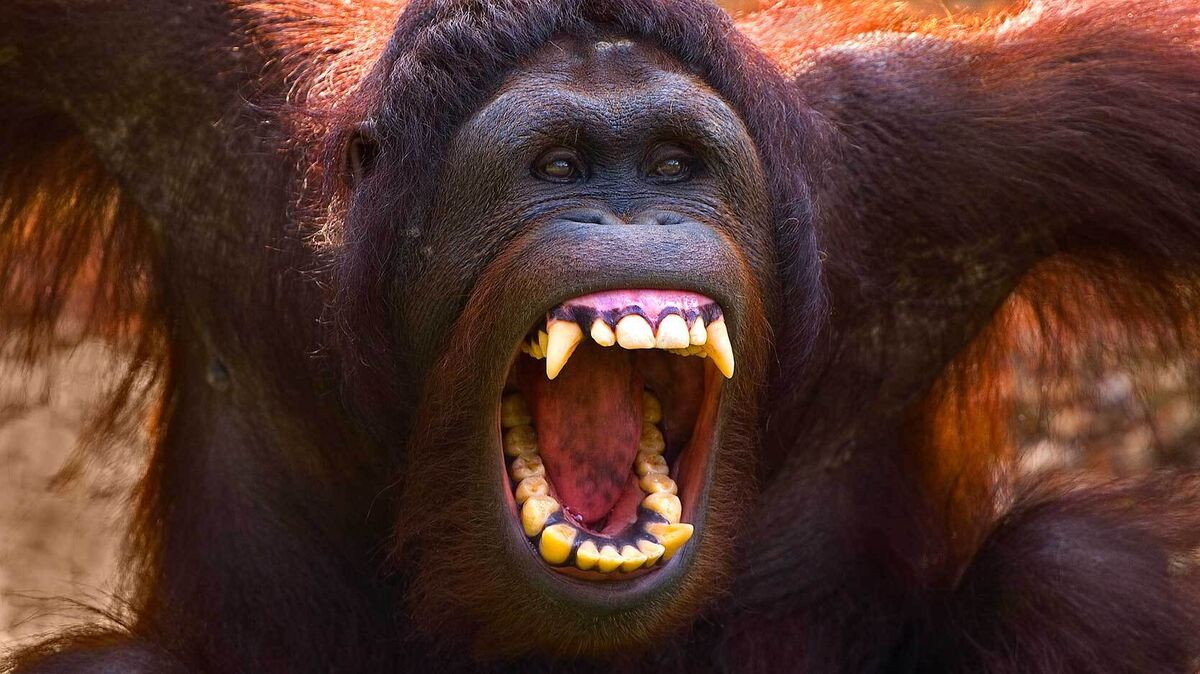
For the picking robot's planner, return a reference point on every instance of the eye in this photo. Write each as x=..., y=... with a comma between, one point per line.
x=670, y=164
x=558, y=166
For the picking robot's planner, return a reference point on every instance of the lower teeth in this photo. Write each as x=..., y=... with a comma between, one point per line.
x=657, y=534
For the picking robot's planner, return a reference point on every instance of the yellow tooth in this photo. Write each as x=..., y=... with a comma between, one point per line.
x=719, y=349
x=530, y=487
x=633, y=559
x=586, y=556
x=652, y=551
x=670, y=536
x=556, y=543
x=520, y=440
x=514, y=412
x=602, y=334
x=665, y=504
x=652, y=439
x=534, y=514
x=653, y=483
x=698, y=335
x=563, y=337
x=650, y=462
x=609, y=560
x=672, y=333
x=633, y=332
x=651, y=408
x=543, y=341
x=527, y=465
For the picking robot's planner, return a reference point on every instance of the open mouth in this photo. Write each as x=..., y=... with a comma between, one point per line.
x=608, y=417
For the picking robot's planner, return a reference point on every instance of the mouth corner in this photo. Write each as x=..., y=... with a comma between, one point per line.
x=607, y=425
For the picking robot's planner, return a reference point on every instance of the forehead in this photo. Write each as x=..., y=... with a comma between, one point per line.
x=622, y=85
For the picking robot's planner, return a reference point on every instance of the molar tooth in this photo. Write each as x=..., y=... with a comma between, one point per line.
x=652, y=551
x=672, y=333
x=698, y=335
x=587, y=555
x=556, y=543
x=652, y=483
x=652, y=439
x=610, y=559
x=535, y=512
x=520, y=440
x=563, y=337
x=633, y=332
x=651, y=408
x=670, y=536
x=514, y=412
x=650, y=462
x=602, y=334
x=633, y=559
x=527, y=465
x=530, y=487
x=719, y=349
x=666, y=504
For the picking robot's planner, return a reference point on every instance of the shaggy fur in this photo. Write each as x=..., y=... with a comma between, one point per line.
x=938, y=187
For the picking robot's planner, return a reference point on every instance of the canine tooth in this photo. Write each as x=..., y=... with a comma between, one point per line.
x=587, y=555
x=633, y=559
x=650, y=462
x=719, y=349
x=530, y=487
x=520, y=440
x=602, y=334
x=651, y=408
x=563, y=337
x=665, y=504
x=652, y=551
x=535, y=512
x=670, y=536
x=556, y=543
x=698, y=335
x=527, y=465
x=672, y=333
x=652, y=439
x=514, y=412
x=653, y=483
x=610, y=559
x=633, y=332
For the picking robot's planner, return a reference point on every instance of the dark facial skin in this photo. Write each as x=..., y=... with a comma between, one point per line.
x=598, y=165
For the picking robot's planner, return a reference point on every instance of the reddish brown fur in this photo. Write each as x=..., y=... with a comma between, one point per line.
x=944, y=160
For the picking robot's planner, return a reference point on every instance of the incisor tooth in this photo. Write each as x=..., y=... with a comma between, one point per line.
x=530, y=487
x=650, y=462
x=513, y=411
x=719, y=349
x=670, y=536
x=652, y=483
x=698, y=335
x=556, y=543
x=633, y=559
x=602, y=334
x=652, y=551
x=527, y=465
x=609, y=560
x=562, y=339
x=633, y=332
x=520, y=440
x=672, y=333
x=586, y=556
x=652, y=439
x=651, y=408
x=666, y=504
x=535, y=512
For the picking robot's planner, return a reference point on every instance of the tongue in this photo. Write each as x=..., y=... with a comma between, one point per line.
x=589, y=421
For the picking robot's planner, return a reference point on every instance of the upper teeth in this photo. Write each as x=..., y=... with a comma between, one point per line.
x=560, y=338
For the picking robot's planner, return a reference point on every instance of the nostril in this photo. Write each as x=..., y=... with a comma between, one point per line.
x=659, y=218
x=591, y=216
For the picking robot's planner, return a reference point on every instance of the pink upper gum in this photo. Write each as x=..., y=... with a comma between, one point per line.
x=652, y=302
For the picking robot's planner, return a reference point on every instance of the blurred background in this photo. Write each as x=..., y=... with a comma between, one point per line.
x=1110, y=413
